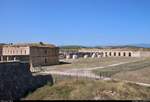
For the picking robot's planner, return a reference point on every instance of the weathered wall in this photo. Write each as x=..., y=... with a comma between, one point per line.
x=15, y=50
x=145, y=53
x=118, y=52
x=40, y=56
x=16, y=80
x=136, y=54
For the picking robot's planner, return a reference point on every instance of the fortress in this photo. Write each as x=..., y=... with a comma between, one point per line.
x=108, y=52
x=33, y=53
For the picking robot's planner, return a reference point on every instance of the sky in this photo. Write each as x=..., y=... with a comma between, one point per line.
x=75, y=22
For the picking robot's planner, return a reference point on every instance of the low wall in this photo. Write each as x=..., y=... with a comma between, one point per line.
x=145, y=53
x=16, y=80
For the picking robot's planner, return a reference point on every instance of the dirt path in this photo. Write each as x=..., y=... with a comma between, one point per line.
x=92, y=76
x=87, y=72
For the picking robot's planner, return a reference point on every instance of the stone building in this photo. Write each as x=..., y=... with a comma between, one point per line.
x=118, y=52
x=35, y=54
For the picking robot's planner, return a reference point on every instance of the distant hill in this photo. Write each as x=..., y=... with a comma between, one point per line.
x=78, y=46
x=72, y=47
x=143, y=45
x=132, y=46
x=3, y=44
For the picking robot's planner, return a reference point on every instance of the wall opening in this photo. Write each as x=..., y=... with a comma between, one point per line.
x=109, y=53
x=114, y=53
x=45, y=60
x=129, y=54
x=119, y=54
x=124, y=54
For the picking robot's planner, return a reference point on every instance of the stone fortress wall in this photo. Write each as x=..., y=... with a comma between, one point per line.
x=16, y=80
x=107, y=52
x=44, y=56
x=112, y=52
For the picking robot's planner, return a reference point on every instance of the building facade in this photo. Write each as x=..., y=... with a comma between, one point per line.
x=117, y=52
x=36, y=55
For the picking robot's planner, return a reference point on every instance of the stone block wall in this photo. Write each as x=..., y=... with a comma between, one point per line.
x=145, y=53
x=16, y=80
x=44, y=56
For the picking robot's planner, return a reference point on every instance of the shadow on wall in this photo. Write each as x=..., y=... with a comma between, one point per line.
x=16, y=80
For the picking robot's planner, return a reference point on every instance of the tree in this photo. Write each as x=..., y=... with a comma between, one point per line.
x=41, y=43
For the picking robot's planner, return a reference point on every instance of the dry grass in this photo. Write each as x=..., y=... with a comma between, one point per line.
x=90, y=90
x=141, y=75
x=137, y=71
x=95, y=62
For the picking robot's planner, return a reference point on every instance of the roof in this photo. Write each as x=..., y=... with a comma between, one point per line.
x=31, y=45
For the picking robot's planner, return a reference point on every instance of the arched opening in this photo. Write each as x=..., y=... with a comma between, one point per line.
x=106, y=54
x=119, y=54
x=129, y=54
x=124, y=54
x=109, y=53
x=114, y=53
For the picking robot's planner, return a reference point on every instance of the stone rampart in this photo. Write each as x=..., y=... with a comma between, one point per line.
x=16, y=80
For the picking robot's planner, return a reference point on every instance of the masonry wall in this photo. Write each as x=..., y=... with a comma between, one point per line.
x=0, y=52
x=43, y=56
x=112, y=53
x=16, y=80
x=15, y=50
x=145, y=53
x=136, y=54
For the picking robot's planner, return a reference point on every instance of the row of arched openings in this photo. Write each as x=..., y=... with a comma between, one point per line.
x=119, y=54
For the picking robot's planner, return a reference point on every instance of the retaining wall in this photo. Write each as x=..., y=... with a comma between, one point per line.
x=16, y=80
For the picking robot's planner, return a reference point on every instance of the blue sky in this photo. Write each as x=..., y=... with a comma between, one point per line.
x=75, y=22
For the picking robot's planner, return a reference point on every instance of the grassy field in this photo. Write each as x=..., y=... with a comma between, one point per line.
x=95, y=62
x=141, y=75
x=136, y=71
x=90, y=90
